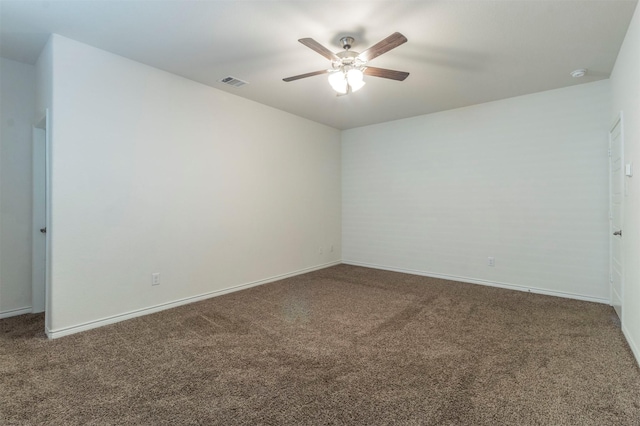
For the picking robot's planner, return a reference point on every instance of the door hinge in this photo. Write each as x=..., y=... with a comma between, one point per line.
x=609, y=152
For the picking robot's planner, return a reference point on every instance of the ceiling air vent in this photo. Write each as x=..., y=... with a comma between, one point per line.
x=232, y=81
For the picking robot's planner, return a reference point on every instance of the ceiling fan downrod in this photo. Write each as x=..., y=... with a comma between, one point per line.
x=346, y=42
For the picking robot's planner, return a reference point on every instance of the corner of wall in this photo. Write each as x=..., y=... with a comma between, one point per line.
x=625, y=88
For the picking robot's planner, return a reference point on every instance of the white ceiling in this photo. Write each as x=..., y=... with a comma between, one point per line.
x=459, y=53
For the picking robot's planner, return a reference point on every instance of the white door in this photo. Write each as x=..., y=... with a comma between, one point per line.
x=616, y=198
x=39, y=218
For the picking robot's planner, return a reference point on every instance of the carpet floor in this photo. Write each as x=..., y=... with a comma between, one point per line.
x=343, y=345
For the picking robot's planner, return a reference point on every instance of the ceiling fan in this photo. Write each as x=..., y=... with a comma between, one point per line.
x=348, y=68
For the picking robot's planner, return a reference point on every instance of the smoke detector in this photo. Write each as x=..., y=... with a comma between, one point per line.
x=579, y=73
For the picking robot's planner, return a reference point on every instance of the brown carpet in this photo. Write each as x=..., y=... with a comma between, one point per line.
x=344, y=345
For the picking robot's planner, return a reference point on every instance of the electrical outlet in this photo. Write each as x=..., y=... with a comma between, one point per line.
x=320, y=250
x=491, y=261
x=155, y=278
x=331, y=248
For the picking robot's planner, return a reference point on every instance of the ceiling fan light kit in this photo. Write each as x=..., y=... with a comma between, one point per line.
x=345, y=80
x=348, y=68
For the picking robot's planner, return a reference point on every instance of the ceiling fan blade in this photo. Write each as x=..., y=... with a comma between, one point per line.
x=394, y=40
x=309, y=74
x=385, y=73
x=314, y=45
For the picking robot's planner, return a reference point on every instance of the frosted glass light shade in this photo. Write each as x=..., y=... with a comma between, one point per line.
x=354, y=76
x=357, y=85
x=338, y=81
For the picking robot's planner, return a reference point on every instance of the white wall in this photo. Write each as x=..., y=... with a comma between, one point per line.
x=44, y=100
x=44, y=79
x=625, y=83
x=17, y=105
x=523, y=180
x=156, y=173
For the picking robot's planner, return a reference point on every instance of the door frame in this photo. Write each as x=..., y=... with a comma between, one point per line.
x=41, y=291
x=619, y=120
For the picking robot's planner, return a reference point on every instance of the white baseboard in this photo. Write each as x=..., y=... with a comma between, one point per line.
x=481, y=282
x=632, y=344
x=54, y=334
x=15, y=312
